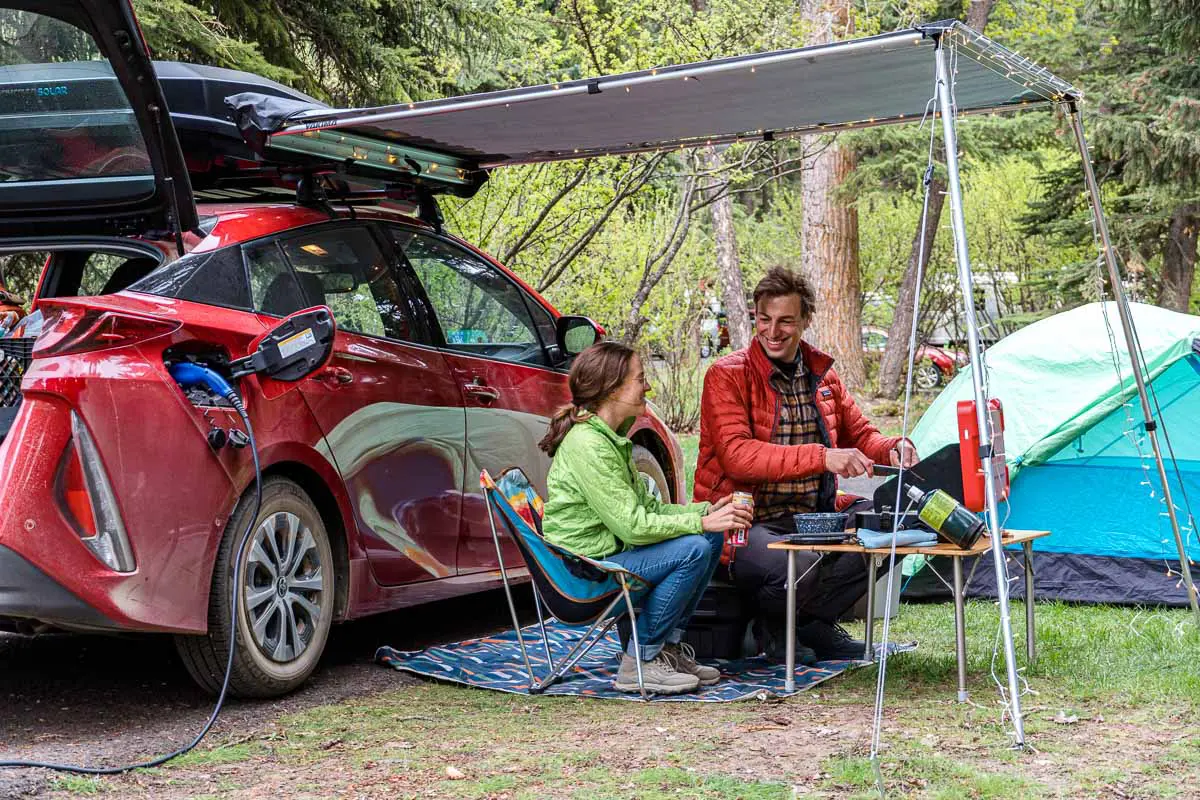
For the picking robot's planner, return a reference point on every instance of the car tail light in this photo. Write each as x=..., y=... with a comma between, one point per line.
x=71, y=329
x=87, y=496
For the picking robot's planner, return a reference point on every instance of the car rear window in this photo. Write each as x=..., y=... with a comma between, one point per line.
x=63, y=113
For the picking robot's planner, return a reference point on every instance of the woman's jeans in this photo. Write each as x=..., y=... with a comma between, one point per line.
x=678, y=571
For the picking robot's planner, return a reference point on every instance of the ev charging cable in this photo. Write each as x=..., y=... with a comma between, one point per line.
x=188, y=375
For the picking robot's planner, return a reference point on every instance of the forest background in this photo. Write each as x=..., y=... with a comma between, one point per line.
x=656, y=246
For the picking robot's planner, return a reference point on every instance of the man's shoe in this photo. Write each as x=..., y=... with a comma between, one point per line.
x=774, y=645
x=683, y=659
x=830, y=642
x=659, y=677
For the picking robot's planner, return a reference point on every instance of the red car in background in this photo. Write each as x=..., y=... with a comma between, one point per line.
x=121, y=494
x=934, y=365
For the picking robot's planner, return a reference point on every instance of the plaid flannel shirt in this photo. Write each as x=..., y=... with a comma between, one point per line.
x=797, y=424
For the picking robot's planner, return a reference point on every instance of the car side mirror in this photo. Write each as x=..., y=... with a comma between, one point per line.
x=292, y=350
x=576, y=334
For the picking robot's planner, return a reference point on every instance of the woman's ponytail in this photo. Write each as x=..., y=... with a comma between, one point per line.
x=597, y=372
x=560, y=425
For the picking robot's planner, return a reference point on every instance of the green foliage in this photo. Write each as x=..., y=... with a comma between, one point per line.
x=349, y=52
x=1136, y=61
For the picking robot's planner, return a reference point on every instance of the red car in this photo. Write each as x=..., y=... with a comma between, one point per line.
x=934, y=365
x=121, y=494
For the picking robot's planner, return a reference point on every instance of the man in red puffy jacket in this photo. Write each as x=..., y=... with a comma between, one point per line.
x=777, y=421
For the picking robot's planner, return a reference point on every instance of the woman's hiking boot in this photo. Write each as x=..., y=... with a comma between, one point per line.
x=683, y=657
x=658, y=675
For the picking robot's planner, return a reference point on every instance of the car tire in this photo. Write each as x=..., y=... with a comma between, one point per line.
x=927, y=376
x=652, y=473
x=277, y=654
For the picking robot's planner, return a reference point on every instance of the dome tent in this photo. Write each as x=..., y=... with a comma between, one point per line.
x=1080, y=464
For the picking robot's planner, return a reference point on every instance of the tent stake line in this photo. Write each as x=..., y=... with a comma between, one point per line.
x=1118, y=289
x=963, y=259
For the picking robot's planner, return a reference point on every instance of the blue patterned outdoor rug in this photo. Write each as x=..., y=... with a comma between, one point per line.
x=494, y=662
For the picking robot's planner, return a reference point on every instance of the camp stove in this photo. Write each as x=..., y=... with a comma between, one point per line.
x=942, y=470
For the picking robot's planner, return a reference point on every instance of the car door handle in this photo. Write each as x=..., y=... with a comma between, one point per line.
x=335, y=376
x=481, y=391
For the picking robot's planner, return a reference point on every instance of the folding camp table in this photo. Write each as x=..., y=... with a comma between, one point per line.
x=876, y=556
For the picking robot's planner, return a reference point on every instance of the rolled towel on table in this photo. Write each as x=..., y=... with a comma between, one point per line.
x=874, y=540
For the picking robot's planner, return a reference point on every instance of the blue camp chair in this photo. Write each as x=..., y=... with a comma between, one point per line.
x=575, y=589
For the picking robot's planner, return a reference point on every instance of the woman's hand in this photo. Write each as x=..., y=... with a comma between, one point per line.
x=723, y=516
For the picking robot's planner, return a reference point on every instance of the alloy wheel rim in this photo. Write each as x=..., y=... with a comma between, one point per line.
x=927, y=377
x=284, y=587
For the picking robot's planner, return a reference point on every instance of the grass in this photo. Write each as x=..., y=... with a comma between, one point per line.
x=77, y=784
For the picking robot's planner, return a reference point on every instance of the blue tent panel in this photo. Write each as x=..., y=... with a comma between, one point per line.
x=1099, y=495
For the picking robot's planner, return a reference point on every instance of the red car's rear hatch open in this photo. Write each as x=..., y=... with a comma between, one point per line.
x=86, y=143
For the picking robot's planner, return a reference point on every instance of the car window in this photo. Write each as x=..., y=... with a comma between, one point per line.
x=480, y=311
x=217, y=278
x=345, y=269
x=273, y=287
x=68, y=116
x=79, y=273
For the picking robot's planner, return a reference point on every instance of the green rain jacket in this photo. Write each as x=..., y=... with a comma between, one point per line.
x=598, y=504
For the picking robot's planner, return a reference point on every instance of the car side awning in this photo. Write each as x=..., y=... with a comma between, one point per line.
x=876, y=80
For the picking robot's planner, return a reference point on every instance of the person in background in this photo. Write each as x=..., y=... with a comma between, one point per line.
x=598, y=506
x=777, y=421
x=11, y=310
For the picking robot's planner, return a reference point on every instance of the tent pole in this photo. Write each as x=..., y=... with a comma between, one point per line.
x=983, y=418
x=1118, y=289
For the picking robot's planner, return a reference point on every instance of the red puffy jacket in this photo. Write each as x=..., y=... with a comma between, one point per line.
x=738, y=413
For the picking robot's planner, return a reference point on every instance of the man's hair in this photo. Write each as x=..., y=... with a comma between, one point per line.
x=781, y=282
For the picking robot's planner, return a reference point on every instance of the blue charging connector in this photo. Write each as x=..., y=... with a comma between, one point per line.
x=188, y=374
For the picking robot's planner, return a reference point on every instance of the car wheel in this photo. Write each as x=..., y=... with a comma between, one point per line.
x=286, y=608
x=927, y=376
x=652, y=473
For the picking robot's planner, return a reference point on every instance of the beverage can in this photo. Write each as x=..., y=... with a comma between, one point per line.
x=738, y=538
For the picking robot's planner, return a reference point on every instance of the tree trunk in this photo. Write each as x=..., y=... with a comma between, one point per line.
x=729, y=267
x=978, y=12
x=829, y=232
x=895, y=353
x=1179, y=258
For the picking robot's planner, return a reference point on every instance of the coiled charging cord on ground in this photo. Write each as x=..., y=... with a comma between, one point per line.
x=188, y=374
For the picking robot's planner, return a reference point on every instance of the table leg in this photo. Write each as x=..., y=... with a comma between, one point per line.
x=789, y=681
x=872, y=569
x=1030, y=634
x=960, y=630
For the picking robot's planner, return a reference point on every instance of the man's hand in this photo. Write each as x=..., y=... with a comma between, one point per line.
x=848, y=463
x=904, y=454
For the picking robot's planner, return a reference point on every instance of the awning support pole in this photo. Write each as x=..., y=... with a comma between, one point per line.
x=963, y=259
x=1118, y=290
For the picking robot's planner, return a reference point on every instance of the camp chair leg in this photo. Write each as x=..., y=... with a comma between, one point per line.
x=512, y=608
x=585, y=643
x=637, y=648
x=537, y=603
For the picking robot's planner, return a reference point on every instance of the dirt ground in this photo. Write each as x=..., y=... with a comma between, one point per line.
x=106, y=699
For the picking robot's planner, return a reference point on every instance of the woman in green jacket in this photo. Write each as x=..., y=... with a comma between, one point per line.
x=598, y=506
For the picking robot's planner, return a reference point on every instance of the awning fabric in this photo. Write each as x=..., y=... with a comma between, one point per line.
x=876, y=80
